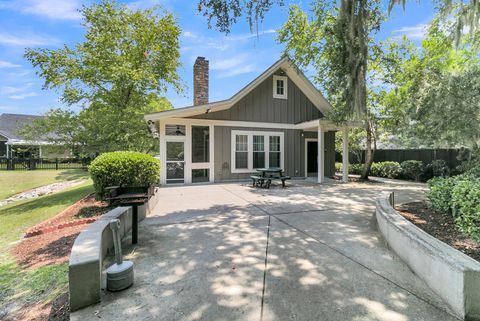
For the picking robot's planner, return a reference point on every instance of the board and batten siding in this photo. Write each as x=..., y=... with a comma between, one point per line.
x=260, y=106
x=294, y=150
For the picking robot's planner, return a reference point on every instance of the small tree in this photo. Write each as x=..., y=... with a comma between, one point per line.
x=129, y=57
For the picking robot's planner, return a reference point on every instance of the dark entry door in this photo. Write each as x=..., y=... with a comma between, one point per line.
x=312, y=156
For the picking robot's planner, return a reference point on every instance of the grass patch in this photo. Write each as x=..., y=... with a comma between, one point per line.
x=20, y=287
x=19, y=216
x=24, y=287
x=14, y=182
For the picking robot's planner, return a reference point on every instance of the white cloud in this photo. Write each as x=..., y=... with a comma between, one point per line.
x=27, y=40
x=417, y=32
x=23, y=95
x=6, y=64
x=240, y=70
x=51, y=9
x=222, y=43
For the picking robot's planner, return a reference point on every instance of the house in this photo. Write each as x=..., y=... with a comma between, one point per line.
x=277, y=120
x=11, y=143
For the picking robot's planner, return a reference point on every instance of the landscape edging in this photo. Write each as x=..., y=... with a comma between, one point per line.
x=452, y=275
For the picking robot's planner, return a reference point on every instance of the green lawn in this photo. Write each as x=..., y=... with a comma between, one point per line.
x=14, y=182
x=18, y=286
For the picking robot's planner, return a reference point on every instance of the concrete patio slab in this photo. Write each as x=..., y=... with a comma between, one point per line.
x=232, y=252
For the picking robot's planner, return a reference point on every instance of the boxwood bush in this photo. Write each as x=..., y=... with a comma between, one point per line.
x=466, y=206
x=412, y=169
x=440, y=193
x=123, y=168
x=459, y=196
x=386, y=169
x=437, y=168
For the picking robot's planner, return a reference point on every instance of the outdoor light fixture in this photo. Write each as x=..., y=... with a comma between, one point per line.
x=178, y=131
x=207, y=111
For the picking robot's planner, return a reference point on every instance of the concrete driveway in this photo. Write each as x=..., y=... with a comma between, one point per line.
x=306, y=252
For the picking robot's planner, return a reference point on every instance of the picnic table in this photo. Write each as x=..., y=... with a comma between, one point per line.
x=266, y=175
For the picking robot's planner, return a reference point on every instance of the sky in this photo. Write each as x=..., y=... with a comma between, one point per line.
x=235, y=59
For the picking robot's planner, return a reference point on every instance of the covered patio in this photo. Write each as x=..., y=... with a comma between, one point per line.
x=320, y=127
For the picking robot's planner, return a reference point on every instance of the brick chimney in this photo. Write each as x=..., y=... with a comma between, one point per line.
x=200, y=81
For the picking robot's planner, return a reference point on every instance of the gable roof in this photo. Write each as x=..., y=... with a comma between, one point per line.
x=11, y=123
x=312, y=93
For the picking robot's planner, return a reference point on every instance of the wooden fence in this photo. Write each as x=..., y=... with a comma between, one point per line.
x=400, y=155
x=28, y=164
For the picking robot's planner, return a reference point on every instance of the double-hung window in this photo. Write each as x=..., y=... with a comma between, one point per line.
x=252, y=150
x=280, y=87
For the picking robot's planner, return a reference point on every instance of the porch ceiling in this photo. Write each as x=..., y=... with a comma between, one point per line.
x=328, y=125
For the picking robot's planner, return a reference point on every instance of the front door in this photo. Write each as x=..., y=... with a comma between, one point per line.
x=312, y=158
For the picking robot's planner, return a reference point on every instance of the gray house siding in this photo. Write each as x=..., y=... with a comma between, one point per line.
x=260, y=106
x=294, y=152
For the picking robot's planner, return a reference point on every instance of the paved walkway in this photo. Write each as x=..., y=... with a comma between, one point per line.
x=232, y=252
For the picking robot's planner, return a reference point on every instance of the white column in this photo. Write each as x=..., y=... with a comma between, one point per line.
x=345, y=156
x=162, y=154
x=39, y=151
x=8, y=150
x=321, y=154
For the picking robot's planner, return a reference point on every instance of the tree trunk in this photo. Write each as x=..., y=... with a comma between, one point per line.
x=369, y=150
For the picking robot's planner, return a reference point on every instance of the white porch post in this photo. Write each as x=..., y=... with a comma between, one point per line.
x=321, y=154
x=163, y=153
x=345, y=155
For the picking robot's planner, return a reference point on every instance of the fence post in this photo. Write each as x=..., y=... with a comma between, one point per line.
x=56, y=163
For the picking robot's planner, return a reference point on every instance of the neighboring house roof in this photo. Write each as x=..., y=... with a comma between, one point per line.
x=285, y=64
x=11, y=123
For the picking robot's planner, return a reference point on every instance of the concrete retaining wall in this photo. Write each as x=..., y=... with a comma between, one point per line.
x=454, y=276
x=91, y=247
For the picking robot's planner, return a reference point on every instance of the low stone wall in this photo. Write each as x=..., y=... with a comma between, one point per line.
x=90, y=249
x=454, y=276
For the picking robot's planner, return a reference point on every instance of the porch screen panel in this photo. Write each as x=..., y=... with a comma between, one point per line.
x=200, y=144
x=274, y=154
x=258, y=151
x=241, y=151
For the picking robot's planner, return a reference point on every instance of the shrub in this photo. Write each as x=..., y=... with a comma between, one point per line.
x=466, y=206
x=412, y=169
x=123, y=168
x=386, y=169
x=338, y=167
x=355, y=169
x=473, y=171
x=437, y=168
x=440, y=193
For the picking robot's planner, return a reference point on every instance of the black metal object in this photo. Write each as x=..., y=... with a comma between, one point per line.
x=133, y=196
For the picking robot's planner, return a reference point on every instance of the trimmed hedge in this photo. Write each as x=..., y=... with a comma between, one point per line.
x=437, y=168
x=122, y=169
x=459, y=196
x=386, y=169
x=466, y=206
x=412, y=169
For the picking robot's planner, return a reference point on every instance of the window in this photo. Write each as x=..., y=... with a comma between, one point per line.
x=241, y=152
x=258, y=151
x=175, y=162
x=274, y=155
x=200, y=144
x=200, y=175
x=175, y=130
x=251, y=150
x=280, y=88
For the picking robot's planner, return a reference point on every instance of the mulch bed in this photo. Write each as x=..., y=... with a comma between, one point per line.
x=54, y=248
x=440, y=226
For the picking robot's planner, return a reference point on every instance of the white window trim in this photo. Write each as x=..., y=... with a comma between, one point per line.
x=187, y=139
x=285, y=87
x=250, y=135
